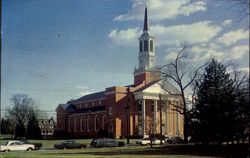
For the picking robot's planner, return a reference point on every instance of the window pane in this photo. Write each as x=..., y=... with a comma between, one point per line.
x=145, y=45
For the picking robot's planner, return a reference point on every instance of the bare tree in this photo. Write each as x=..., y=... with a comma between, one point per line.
x=177, y=72
x=23, y=108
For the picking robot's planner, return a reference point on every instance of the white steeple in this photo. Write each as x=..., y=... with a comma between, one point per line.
x=146, y=47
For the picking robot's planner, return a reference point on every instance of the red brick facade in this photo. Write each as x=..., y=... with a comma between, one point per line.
x=109, y=110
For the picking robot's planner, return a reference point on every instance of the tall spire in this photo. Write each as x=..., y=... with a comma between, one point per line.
x=146, y=25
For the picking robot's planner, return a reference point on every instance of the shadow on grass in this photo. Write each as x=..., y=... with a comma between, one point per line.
x=239, y=150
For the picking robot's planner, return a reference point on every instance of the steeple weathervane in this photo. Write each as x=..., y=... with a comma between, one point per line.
x=146, y=24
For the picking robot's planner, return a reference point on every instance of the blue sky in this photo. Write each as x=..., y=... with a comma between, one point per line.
x=57, y=50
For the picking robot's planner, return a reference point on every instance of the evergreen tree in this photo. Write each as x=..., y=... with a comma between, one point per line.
x=33, y=129
x=213, y=118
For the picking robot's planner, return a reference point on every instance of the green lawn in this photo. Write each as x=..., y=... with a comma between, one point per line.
x=169, y=151
x=131, y=151
x=127, y=151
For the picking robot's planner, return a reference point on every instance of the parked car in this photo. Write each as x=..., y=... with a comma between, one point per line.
x=16, y=145
x=69, y=144
x=93, y=142
x=106, y=142
x=175, y=140
x=146, y=141
x=37, y=145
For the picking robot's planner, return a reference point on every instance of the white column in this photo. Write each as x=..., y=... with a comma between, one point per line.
x=177, y=120
x=155, y=116
x=166, y=118
x=143, y=118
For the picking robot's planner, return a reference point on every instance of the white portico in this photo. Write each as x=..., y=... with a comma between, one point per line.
x=154, y=92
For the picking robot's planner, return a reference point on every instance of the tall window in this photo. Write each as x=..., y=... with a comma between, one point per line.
x=95, y=123
x=110, y=110
x=81, y=124
x=140, y=46
x=152, y=106
x=103, y=121
x=88, y=127
x=151, y=45
x=75, y=124
x=146, y=45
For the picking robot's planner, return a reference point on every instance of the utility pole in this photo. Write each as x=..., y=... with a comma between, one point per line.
x=160, y=118
x=0, y=66
x=128, y=117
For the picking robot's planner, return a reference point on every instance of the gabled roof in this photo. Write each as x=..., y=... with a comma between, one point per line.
x=167, y=85
x=67, y=106
x=89, y=97
x=147, y=85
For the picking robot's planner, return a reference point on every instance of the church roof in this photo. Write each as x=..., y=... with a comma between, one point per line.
x=92, y=96
x=67, y=106
x=168, y=86
x=147, y=85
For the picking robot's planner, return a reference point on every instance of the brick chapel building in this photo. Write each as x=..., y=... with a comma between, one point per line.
x=136, y=107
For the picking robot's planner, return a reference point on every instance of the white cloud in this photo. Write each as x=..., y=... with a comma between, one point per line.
x=244, y=69
x=83, y=93
x=233, y=36
x=227, y=22
x=238, y=52
x=199, y=32
x=162, y=9
x=83, y=90
x=124, y=37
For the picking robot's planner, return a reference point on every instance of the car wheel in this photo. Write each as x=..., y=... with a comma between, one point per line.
x=29, y=149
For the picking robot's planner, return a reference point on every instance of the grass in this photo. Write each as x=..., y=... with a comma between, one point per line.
x=170, y=151
x=127, y=151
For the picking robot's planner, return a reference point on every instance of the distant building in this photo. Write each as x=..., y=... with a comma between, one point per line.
x=47, y=127
x=107, y=110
